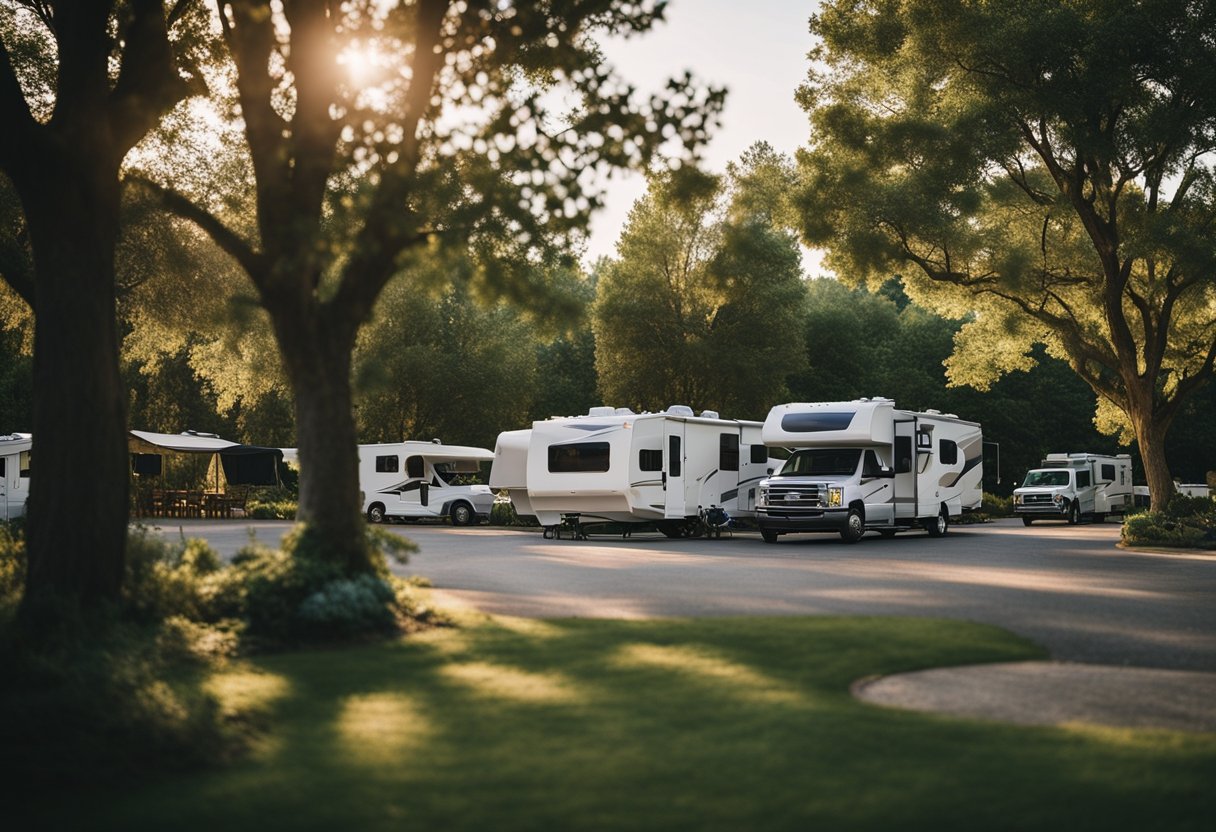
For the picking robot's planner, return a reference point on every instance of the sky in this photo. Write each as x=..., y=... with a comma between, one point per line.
x=756, y=49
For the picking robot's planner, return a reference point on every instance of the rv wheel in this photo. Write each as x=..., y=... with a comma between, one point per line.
x=938, y=526
x=1026, y=521
x=1074, y=514
x=375, y=513
x=854, y=527
x=462, y=514
x=769, y=535
x=1100, y=517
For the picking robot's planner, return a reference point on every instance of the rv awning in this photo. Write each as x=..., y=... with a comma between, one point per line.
x=243, y=464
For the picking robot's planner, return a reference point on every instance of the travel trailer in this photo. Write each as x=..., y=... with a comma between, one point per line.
x=685, y=473
x=412, y=480
x=14, y=474
x=865, y=466
x=1071, y=486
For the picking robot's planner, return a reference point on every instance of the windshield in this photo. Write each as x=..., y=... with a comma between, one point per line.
x=821, y=461
x=1041, y=478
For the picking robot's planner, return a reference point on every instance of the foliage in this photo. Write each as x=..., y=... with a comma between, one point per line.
x=270, y=509
x=12, y=566
x=503, y=513
x=1148, y=529
x=702, y=305
x=1046, y=165
x=996, y=506
x=445, y=367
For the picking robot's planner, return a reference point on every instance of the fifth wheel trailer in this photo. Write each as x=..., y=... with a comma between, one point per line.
x=678, y=470
x=864, y=465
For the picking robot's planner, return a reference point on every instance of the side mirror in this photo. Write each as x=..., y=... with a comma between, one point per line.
x=886, y=473
x=770, y=472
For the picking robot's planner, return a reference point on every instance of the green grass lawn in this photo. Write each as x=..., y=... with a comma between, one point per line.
x=731, y=724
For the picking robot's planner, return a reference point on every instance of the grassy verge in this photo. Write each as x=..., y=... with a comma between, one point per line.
x=711, y=724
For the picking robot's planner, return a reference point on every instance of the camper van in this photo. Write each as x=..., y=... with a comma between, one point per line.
x=683, y=472
x=14, y=474
x=865, y=466
x=412, y=480
x=1071, y=486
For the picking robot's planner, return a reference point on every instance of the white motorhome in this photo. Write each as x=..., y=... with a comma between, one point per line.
x=680, y=471
x=14, y=474
x=412, y=480
x=863, y=465
x=1071, y=486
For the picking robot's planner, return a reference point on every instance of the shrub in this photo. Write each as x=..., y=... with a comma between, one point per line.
x=271, y=510
x=12, y=564
x=348, y=607
x=1158, y=529
x=995, y=506
x=503, y=513
x=1182, y=506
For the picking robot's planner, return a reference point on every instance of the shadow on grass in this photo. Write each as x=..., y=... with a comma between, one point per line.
x=708, y=724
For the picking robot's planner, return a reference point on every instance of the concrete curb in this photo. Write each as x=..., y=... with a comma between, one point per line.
x=1055, y=693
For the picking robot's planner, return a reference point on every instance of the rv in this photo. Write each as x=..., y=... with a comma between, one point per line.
x=412, y=480
x=864, y=466
x=684, y=473
x=14, y=474
x=1071, y=486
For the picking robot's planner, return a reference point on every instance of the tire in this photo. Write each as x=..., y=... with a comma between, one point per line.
x=854, y=527
x=938, y=526
x=375, y=513
x=1074, y=513
x=462, y=515
x=769, y=535
x=1099, y=517
x=1026, y=521
x=681, y=529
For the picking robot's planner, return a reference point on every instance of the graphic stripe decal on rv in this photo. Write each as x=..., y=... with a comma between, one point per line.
x=403, y=487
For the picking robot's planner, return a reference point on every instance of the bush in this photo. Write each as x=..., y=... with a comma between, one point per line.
x=503, y=513
x=1181, y=506
x=1159, y=529
x=271, y=510
x=12, y=564
x=995, y=506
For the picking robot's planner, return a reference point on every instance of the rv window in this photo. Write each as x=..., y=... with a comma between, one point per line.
x=728, y=452
x=650, y=460
x=1108, y=473
x=948, y=451
x=387, y=464
x=1082, y=479
x=415, y=468
x=583, y=457
x=23, y=464
x=870, y=466
x=924, y=439
x=1, y=467
x=903, y=454
x=674, y=457
x=815, y=422
x=821, y=461
x=759, y=454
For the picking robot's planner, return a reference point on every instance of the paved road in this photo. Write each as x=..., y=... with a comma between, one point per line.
x=1067, y=588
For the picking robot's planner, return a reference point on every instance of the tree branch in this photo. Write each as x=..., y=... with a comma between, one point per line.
x=253, y=262
x=19, y=124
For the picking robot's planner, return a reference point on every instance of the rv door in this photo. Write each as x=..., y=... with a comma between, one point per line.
x=673, y=466
x=905, y=469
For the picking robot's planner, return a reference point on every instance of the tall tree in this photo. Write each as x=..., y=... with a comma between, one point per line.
x=443, y=367
x=1046, y=164
x=703, y=304
x=80, y=85
x=379, y=130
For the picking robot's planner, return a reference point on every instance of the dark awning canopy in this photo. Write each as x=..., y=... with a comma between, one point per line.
x=242, y=464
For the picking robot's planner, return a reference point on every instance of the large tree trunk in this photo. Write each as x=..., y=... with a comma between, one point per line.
x=319, y=366
x=1150, y=438
x=78, y=490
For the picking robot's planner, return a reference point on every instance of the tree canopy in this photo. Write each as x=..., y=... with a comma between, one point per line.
x=1045, y=165
x=702, y=305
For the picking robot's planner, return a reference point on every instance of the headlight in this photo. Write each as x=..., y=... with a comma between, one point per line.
x=762, y=497
x=1060, y=499
x=835, y=496
x=1017, y=499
